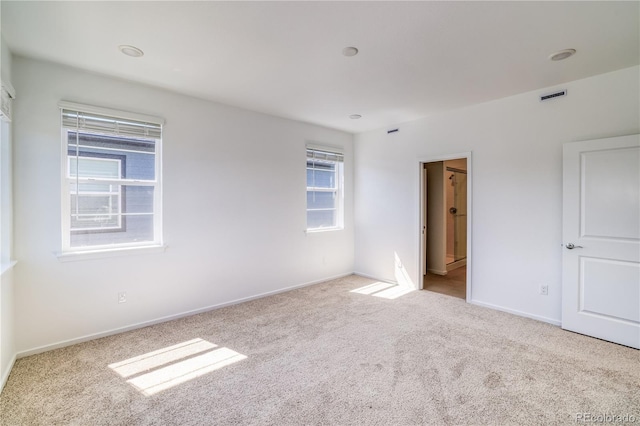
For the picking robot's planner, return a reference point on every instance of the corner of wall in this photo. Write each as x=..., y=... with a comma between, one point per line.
x=5, y=60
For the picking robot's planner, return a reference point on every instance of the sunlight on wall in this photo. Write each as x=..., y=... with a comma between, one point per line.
x=401, y=274
x=390, y=291
x=165, y=368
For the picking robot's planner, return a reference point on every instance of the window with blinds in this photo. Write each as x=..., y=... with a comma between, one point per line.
x=324, y=189
x=112, y=193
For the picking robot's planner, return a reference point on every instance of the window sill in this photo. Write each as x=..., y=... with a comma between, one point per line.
x=322, y=230
x=7, y=267
x=106, y=253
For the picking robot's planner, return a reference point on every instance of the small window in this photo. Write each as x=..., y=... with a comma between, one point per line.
x=325, y=197
x=112, y=193
x=5, y=195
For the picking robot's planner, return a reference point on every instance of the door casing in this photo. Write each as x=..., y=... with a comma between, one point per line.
x=421, y=200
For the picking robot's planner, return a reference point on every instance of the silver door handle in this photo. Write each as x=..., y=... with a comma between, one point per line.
x=571, y=246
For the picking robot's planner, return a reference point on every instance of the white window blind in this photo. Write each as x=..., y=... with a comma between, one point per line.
x=106, y=125
x=326, y=155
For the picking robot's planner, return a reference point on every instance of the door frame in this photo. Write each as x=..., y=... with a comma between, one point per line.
x=420, y=206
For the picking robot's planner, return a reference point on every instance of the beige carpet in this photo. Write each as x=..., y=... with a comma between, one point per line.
x=327, y=355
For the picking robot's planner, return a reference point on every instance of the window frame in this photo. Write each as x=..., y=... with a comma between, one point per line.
x=66, y=181
x=338, y=189
x=86, y=217
x=6, y=193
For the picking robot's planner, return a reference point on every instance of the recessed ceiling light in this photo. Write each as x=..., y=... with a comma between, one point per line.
x=562, y=54
x=131, y=51
x=350, y=51
x=355, y=116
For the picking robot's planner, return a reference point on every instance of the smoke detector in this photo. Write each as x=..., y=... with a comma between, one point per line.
x=562, y=54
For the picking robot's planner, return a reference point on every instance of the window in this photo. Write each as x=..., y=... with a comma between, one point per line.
x=98, y=206
x=112, y=193
x=324, y=189
x=7, y=94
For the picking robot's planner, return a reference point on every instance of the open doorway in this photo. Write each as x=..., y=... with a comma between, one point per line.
x=445, y=220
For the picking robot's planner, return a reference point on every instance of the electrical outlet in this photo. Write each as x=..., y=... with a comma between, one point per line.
x=544, y=289
x=122, y=297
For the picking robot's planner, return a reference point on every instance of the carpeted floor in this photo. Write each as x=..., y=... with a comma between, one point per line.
x=328, y=355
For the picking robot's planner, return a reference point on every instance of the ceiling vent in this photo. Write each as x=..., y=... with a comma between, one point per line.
x=553, y=95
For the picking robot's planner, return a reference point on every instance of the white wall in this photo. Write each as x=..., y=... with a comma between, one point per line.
x=7, y=337
x=5, y=61
x=234, y=211
x=517, y=185
x=436, y=219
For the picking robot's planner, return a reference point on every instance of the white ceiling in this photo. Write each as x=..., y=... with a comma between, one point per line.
x=284, y=58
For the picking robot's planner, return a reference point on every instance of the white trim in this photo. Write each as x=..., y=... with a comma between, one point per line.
x=482, y=304
x=66, y=200
x=371, y=277
x=113, y=331
x=5, y=376
x=7, y=267
x=102, y=148
x=158, y=229
x=419, y=201
x=8, y=88
x=65, y=190
x=436, y=271
x=321, y=230
x=106, y=253
x=457, y=264
x=111, y=112
x=123, y=182
x=515, y=312
x=324, y=147
x=339, y=191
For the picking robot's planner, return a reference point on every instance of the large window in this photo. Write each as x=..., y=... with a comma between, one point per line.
x=324, y=189
x=112, y=193
x=7, y=94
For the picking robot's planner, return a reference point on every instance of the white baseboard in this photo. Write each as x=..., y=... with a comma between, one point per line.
x=69, y=342
x=111, y=332
x=485, y=305
x=516, y=312
x=371, y=277
x=437, y=271
x=457, y=264
x=5, y=376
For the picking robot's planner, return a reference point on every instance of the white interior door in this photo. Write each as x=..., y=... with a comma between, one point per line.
x=423, y=219
x=601, y=234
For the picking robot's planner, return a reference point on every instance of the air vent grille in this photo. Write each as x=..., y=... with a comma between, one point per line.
x=553, y=95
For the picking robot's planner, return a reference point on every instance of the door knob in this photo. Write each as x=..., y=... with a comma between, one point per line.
x=571, y=246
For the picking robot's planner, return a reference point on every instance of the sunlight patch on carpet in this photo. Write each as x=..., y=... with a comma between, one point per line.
x=372, y=288
x=394, y=292
x=165, y=368
x=383, y=290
